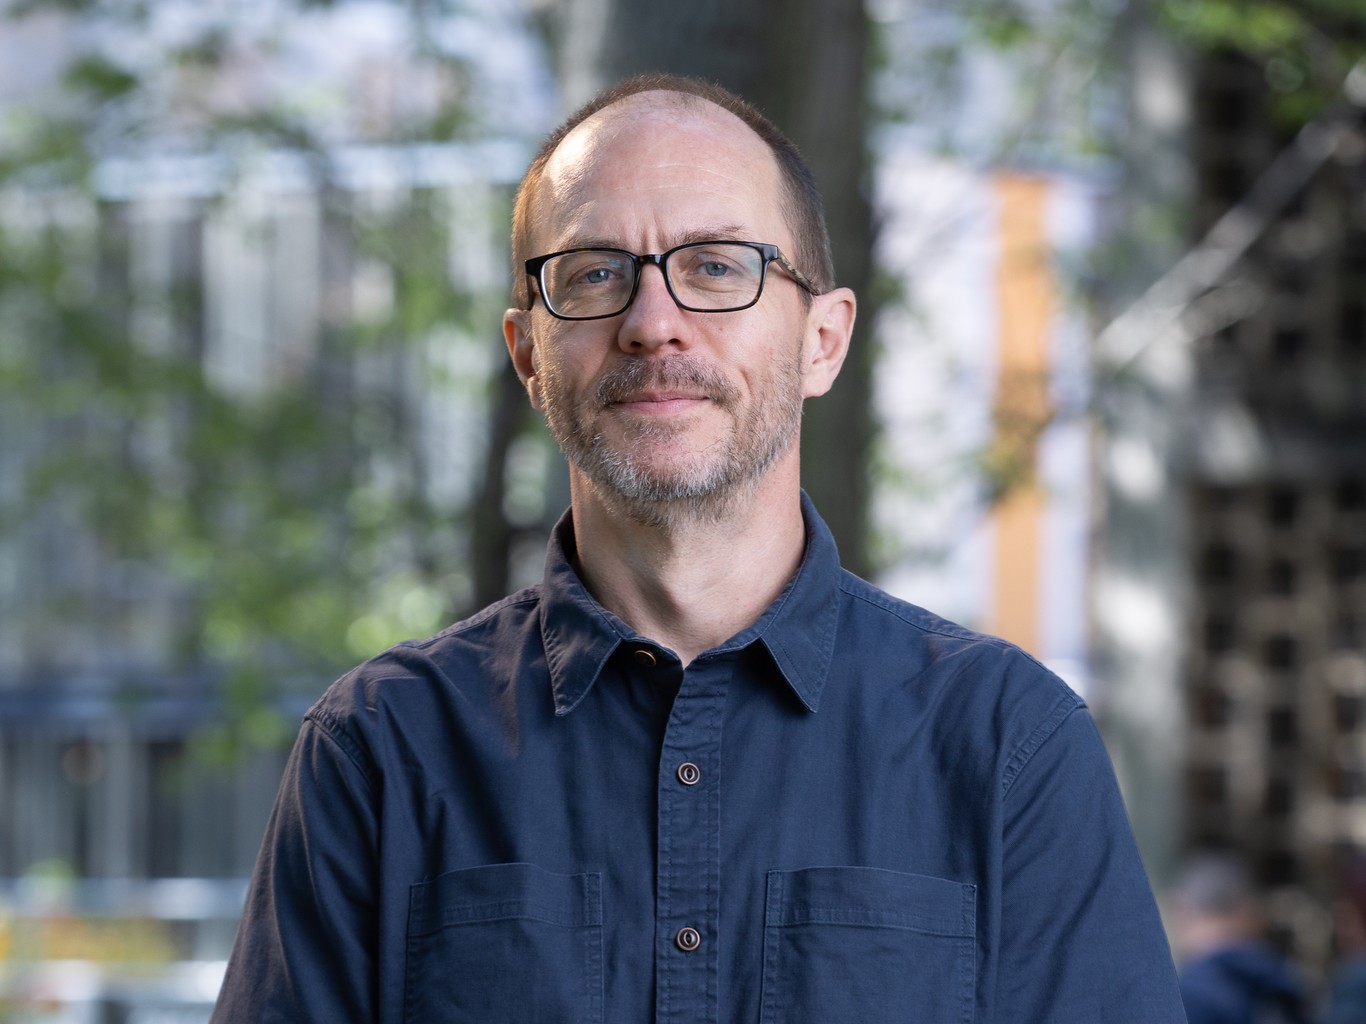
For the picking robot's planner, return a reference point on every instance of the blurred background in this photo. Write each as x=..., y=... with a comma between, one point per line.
x=1108, y=399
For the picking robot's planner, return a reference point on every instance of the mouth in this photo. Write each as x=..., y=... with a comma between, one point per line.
x=660, y=402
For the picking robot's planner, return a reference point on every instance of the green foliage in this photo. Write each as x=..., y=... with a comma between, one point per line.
x=1304, y=47
x=1001, y=24
x=1067, y=57
x=98, y=80
x=266, y=535
x=24, y=8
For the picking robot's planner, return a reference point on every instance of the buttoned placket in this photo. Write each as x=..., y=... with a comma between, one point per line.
x=688, y=870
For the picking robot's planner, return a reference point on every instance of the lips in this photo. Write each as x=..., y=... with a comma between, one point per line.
x=656, y=397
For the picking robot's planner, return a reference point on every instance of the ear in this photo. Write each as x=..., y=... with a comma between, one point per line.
x=829, y=325
x=517, y=334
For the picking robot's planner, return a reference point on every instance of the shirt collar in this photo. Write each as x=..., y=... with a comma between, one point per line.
x=797, y=629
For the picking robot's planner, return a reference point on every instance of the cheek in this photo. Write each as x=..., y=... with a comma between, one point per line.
x=560, y=380
x=574, y=364
x=778, y=364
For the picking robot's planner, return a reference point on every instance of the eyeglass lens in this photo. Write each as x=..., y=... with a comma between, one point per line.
x=599, y=282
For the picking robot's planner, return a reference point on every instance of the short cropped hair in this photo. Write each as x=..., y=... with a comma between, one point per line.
x=802, y=204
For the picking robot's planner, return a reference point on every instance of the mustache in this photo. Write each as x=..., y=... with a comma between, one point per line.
x=681, y=373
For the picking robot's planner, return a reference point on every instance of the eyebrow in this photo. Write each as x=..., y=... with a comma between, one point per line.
x=710, y=233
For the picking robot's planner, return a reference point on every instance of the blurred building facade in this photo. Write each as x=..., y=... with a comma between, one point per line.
x=113, y=779
x=1275, y=643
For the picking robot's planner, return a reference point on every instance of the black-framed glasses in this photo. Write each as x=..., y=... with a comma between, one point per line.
x=702, y=277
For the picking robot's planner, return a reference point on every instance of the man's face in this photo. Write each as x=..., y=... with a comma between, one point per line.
x=660, y=408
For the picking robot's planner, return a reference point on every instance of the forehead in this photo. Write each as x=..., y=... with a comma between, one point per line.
x=657, y=167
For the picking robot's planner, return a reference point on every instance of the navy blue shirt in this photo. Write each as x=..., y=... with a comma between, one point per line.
x=852, y=811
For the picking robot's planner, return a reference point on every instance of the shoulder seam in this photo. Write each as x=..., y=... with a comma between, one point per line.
x=1066, y=705
x=332, y=726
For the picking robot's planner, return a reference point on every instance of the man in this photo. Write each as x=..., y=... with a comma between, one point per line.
x=699, y=773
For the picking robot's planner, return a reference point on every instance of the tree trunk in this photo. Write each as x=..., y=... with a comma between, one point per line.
x=491, y=535
x=814, y=88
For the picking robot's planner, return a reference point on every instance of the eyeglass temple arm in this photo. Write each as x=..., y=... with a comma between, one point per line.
x=795, y=274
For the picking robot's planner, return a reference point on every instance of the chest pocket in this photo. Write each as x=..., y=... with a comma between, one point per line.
x=868, y=945
x=505, y=944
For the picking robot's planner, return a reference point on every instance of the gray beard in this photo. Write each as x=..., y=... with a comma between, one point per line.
x=716, y=481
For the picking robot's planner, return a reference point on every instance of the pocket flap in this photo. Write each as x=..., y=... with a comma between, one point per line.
x=871, y=897
x=495, y=892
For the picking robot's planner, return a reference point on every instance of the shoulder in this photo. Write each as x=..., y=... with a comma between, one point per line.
x=425, y=681
x=916, y=642
x=965, y=683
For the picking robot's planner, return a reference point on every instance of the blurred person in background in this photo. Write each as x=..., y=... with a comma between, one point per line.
x=1229, y=974
x=699, y=773
x=1346, y=996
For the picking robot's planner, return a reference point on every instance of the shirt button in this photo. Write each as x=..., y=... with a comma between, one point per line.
x=645, y=659
x=689, y=774
x=687, y=939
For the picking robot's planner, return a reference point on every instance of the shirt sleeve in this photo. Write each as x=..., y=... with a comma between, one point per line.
x=305, y=945
x=1081, y=939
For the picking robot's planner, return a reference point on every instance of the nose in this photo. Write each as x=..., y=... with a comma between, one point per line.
x=653, y=320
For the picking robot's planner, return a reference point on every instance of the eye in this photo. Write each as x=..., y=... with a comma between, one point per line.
x=723, y=272
x=588, y=270
x=712, y=263
x=596, y=275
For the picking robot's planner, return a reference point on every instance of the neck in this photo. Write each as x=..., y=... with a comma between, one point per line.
x=689, y=583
